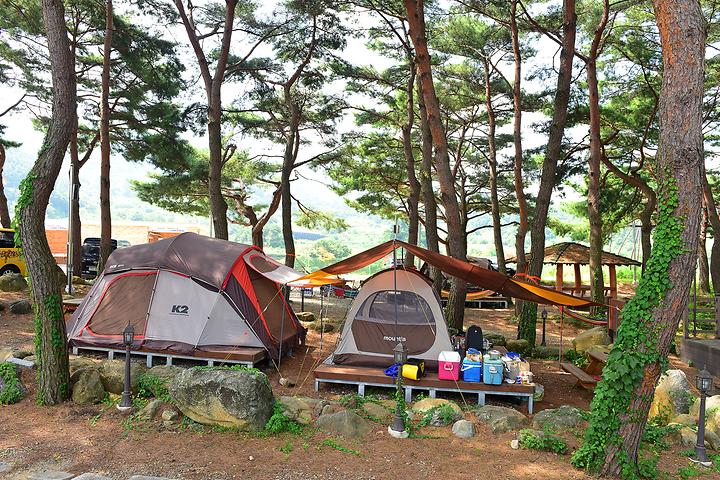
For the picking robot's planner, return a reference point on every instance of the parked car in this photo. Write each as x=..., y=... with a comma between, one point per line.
x=123, y=243
x=90, y=256
x=11, y=260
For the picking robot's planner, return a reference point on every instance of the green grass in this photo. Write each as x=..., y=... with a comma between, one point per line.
x=332, y=443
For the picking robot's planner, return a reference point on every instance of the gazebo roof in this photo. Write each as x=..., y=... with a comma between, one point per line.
x=570, y=253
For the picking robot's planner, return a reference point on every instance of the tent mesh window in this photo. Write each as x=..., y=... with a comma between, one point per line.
x=411, y=308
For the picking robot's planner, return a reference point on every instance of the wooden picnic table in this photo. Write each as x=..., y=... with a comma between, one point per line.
x=590, y=375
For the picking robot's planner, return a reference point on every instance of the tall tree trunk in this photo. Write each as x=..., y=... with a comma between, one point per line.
x=105, y=215
x=456, y=236
x=428, y=193
x=650, y=320
x=521, y=264
x=292, y=143
x=704, y=266
x=4, y=211
x=218, y=205
x=528, y=319
x=492, y=165
x=413, y=200
x=51, y=354
x=712, y=215
x=75, y=227
x=597, y=290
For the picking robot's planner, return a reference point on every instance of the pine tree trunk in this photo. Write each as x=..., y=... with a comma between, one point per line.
x=448, y=192
x=218, y=205
x=50, y=344
x=521, y=263
x=712, y=215
x=680, y=157
x=528, y=319
x=428, y=193
x=105, y=215
x=75, y=228
x=413, y=200
x=597, y=290
x=4, y=211
x=704, y=266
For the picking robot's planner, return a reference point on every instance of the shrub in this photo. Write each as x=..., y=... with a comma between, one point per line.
x=150, y=385
x=546, y=441
x=280, y=423
x=12, y=390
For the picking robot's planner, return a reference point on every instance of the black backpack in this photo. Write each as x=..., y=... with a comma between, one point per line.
x=474, y=338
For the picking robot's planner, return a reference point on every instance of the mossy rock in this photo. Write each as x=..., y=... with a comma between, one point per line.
x=518, y=346
x=496, y=339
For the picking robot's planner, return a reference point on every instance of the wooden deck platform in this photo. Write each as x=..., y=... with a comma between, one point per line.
x=366, y=376
x=242, y=356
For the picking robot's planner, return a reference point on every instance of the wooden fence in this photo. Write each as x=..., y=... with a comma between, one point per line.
x=695, y=307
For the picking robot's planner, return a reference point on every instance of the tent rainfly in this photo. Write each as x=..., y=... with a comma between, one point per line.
x=187, y=295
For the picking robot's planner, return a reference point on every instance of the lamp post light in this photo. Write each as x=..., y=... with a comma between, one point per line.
x=397, y=429
x=703, y=382
x=544, y=317
x=126, y=400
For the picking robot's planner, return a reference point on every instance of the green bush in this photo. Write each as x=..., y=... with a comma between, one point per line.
x=150, y=385
x=12, y=391
x=280, y=423
x=547, y=441
x=445, y=413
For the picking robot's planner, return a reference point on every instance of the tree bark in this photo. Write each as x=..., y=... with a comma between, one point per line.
x=75, y=227
x=428, y=193
x=4, y=211
x=492, y=165
x=528, y=319
x=680, y=156
x=712, y=215
x=105, y=215
x=51, y=349
x=597, y=291
x=213, y=89
x=521, y=263
x=413, y=200
x=704, y=266
x=456, y=236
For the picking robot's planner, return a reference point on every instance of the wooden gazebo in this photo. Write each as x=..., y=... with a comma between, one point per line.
x=576, y=254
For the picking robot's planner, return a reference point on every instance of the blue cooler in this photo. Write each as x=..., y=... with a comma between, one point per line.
x=472, y=371
x=493, y=370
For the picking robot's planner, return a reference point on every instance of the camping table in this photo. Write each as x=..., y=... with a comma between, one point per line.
x=70, y=305
x=588, y=377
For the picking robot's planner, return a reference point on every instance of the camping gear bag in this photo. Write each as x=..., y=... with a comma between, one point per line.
x=474, y=338
x=413, y=369
x=472, y=371
x=449, y=365
x=492, y=370
x=514, y=366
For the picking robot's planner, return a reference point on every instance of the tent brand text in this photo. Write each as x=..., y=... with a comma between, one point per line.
x=179, y=310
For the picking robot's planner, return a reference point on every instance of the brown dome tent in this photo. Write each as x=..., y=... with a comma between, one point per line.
x=189, y=295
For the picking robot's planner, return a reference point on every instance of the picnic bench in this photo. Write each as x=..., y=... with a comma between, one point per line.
x=590, y=375
x=70, y=305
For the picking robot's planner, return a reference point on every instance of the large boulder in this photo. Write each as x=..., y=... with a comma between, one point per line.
x=156, y=381
x=591, y=337
x=375, y=411
x=427, y=404
x=346, y=423
x=112, y=373
x=305, y=316
x=299, y=409
x=501, y=419
x=149, y=411
x=88, y=389
x=12, y=282
x=229, y=398
x=711, y=404
x=20, y=307
x=672, y=396
x=560, y=418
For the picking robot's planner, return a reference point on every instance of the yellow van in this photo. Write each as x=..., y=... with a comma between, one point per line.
x=10, y=259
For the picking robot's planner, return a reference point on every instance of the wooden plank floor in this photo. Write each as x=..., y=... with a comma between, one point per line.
x=238, y=354
x=370, y=375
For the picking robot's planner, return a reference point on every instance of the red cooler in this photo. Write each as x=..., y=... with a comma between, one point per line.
x=449, y=365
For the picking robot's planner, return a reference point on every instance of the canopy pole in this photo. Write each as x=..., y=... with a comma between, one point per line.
x=282, y=325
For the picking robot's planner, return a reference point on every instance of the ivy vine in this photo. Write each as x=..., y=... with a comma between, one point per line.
x=636, y=345
x=11, y=391
x=24, y=200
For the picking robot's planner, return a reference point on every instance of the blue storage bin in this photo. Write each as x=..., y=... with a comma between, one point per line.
x=472, y=371
x=493, y=372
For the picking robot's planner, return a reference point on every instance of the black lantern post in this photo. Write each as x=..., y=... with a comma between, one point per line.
x=397, y=429
x=703, y=382
x=126, y=401
x=544, y=317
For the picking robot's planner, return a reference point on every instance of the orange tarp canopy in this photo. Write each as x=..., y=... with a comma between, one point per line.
x=473, y=274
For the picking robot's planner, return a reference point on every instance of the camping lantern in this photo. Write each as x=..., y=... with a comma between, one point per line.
x=400, y=354
x=703, y=382
x=126, y=400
